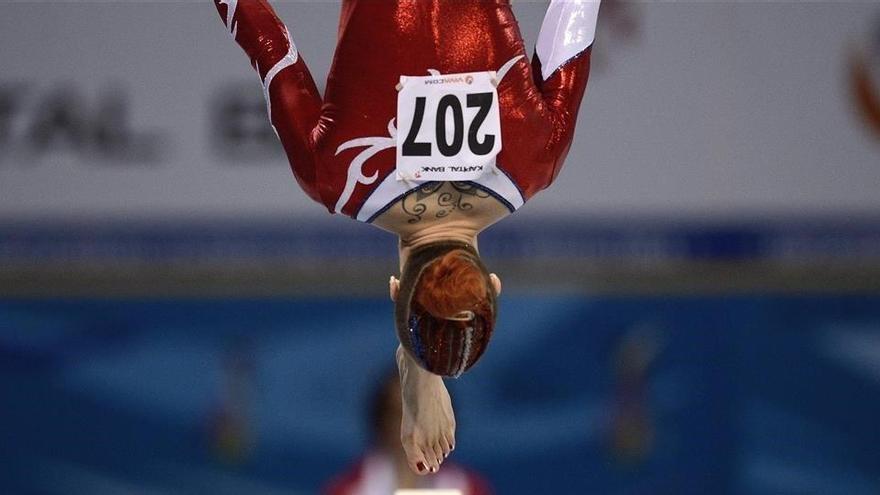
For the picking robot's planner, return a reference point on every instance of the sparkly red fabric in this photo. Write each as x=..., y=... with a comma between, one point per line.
x=380, y=40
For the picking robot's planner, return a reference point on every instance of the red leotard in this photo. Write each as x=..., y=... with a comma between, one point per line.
x=341, y=146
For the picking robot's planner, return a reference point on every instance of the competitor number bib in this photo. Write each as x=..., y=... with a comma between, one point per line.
x=448, y=126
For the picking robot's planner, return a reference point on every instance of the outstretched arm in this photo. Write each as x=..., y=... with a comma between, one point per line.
x=561, y=65
x=292, y=99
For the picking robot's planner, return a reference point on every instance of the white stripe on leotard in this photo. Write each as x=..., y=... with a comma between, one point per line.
x=286, y=61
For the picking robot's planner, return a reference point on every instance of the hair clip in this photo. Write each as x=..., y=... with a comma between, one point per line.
x=463, y=316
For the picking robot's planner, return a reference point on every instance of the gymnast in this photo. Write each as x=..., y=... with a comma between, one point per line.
x=433, y=126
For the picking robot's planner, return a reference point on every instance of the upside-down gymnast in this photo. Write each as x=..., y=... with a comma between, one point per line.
x=433, y=126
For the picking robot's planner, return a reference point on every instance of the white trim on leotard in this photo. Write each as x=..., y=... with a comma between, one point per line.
x=231, y=5
x=496, y=183
x=568, y=29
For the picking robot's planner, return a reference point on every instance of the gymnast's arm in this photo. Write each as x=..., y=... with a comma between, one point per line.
x=561, y=64
x=292, y=99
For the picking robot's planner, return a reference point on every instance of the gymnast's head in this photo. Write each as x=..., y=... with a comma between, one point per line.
x=445, y=307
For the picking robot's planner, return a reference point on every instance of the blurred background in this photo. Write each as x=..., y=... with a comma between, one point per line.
x=693, y=308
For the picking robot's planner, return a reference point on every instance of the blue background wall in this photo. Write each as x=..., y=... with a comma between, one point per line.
x=756, y=394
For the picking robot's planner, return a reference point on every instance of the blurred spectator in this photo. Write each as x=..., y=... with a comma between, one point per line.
x=632, y=427
x=230, y=434
x=383, y=468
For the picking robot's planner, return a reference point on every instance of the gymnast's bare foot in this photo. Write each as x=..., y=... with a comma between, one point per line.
x=427, y=428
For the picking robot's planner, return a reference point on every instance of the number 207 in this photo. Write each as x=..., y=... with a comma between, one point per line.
x=482, y=101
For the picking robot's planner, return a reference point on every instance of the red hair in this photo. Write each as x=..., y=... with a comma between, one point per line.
x=451, y=285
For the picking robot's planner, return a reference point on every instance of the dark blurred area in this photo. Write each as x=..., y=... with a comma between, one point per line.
x=693, y=308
